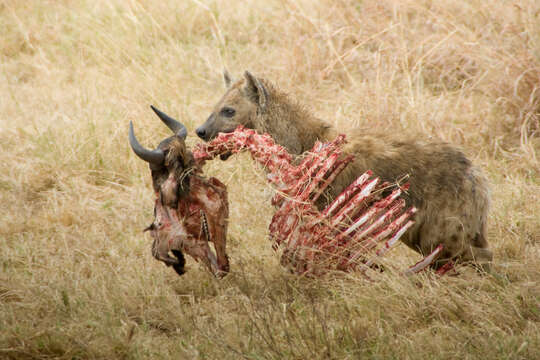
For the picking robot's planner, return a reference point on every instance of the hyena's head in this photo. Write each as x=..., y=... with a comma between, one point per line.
x=170, y=162
x=242, y=102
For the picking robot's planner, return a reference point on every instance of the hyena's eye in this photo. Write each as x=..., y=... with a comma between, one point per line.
x=228, y=112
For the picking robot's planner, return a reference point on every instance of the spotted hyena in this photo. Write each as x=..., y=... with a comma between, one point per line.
x=452, y=195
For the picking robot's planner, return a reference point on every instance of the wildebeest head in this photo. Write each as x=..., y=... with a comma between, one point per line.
x=240, y=105
x=190, y=210
x=169, y=163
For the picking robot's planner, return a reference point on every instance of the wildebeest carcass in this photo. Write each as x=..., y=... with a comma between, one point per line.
x=450, y=194
x=190, y=210
x=358, y=227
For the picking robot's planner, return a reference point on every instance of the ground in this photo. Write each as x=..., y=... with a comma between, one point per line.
x=77, y=277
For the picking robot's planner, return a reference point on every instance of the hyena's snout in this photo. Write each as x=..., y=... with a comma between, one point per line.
x=202, y=133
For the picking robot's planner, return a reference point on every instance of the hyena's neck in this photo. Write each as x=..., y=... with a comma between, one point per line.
x=292, y=125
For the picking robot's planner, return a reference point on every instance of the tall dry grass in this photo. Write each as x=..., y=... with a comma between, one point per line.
x=77, y=279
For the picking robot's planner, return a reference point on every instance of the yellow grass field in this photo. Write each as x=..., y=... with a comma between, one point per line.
x=77, y=279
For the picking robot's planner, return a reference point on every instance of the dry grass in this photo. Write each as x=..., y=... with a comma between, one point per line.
x=77, y=279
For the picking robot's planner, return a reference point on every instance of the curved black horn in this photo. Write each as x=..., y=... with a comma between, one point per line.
x=177, y=127
x=151, y=156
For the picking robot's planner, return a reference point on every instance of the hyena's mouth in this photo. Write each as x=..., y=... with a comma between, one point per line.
x=227, y=154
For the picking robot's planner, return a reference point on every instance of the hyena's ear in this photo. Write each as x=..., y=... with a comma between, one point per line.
x=227, y=78
x=255, y=91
